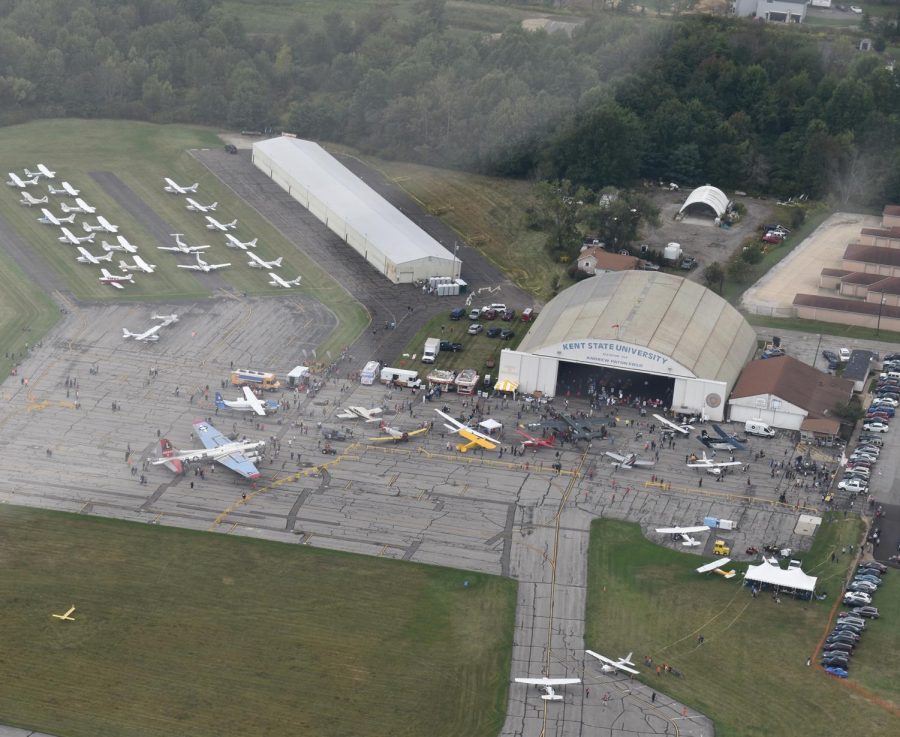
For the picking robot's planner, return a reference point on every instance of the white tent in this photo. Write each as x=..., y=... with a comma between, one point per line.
x=490, y=424
x=783, y=578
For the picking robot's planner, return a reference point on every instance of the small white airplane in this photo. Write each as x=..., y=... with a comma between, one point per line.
x=42, y=171
x=710, y=464
x=256, y=262
x=87, y=257
x=80, y=206
x=684, y=533
x=360, y=413
x=138, y=265
x=277, y=281
x=213, y=224
x=718, y=566
x=250, y=403
x=474, y=437
x=683, y=429
x=67, y=617
x=121, y=245
x=115, y=280
x=233, y=242
x=167, y=319
x=546, y=685
x=202, y=265
x=396, y=435
x=29, y=199
x=103, y=225
x=611, y=666
x=177, y=188
x=197, y=207
x=150, y=335
x=16, y=181
x=180, y=246
x=48, y=218
x=629, y=461
x=66, y=188
x=69, y=237
x=239, y=456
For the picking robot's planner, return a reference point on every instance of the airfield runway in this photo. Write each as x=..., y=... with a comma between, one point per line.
x=65, y=448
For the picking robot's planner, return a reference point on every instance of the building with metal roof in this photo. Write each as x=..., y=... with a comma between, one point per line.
x=644, y=334
x=706, y=198
x=378, y=231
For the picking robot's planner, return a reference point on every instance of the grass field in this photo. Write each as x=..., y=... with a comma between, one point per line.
x=750, y=675
x=185, y=633
x=141, y=155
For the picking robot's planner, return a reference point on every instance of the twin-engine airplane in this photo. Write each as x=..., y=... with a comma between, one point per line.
x=611, y=666
x=684, y=533
x=474, y=437
x=724, y=442
x=250, y=403
x=546, y=685
x=197, y=207
x=628, y=461
x=151, y=334
x=239, y=456
x=202, y=265
x=178, y=189
x=180, y=246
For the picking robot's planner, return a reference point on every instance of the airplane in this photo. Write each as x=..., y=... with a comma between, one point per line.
x=239, y=456
x=48, y=218
x=197, y=207
x=732, y=440
x=360, y=413
x=67, y=617
x=29, y=199
x=395, y=435
x=713, y=466
x=16, y=181
x=213, y=224
x=677, y=428
x=611, y=666
x=148, y=335
x=122, y=245
x=138, y=265
x=42, y=171
x=102, y=225
x=473, y=436
x=256, y=262
x=717, y=566
x=80, y=206
x=202, y=265
x=177, y=188
x=115, y=280
x=235, y=243
x=684, y=533
x=723, y=444
x=180, y=246
x=547, y=684
x=167, y=319
x=250, y=403
x=277, y=281
x=533, y=442
x=629, y=461
x=87, y=257
x=68, y=237
x=66, y=188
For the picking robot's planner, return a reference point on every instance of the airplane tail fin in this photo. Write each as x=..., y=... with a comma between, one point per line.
x=213, y=206
x=126, y=333
x=107, y=257
x=90, y=238
x=168, y=450
x=220, y=403
x=277, y=261
x=86, y=227
x=627, y=658
x=252, y=243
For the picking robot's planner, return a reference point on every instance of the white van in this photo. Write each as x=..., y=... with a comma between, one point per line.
x=758, y=427
x=400, y=377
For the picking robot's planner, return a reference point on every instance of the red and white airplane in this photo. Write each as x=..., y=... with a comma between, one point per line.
x=532, y=442
x=115, y=280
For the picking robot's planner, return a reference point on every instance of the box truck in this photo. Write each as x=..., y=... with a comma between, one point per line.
x=432, y=348
x=400, y=377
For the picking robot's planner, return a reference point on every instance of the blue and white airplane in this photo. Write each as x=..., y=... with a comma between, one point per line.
x=239, y=456
x=249, y=403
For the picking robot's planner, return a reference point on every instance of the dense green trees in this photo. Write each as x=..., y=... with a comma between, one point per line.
x=694, y=100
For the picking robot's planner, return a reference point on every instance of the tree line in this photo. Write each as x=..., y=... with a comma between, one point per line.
x=694, y=100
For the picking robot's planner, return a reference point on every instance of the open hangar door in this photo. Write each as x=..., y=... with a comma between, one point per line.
x=587, y=380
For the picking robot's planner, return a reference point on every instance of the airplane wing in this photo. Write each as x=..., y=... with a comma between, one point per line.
x=473, y=436
x=730, y=439
x=237, y=462
x=615, y=456
x=672, y=425
x=549, y=681
x=618, y=664
x=681, y=530
x=712, y=566
x=255, y=403
x=643, y=463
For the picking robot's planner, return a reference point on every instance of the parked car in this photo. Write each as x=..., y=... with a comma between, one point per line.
x=851, y=617
x=230, y=148
x=876, y=426
x=772, y=353
x=650, y=266
x=493, y=332
x=688, y=263
x=475, y=328
x=772, y=237
x=837, y=671
x=885, y=402
x=836, y=662
x=857, y=598
x=869, y=612
x=856, y=9
x=853, y=484
x=458, y=314
x=871, y=440
x=869, y=588
x=446, y=345
x=874, y=564
x=474, y=313
x=489, y=314
x=507, y=334
x=831, y=357
x=882, y=413
x=331, y=434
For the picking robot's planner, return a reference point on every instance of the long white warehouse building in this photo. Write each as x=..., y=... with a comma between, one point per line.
x=372, y=226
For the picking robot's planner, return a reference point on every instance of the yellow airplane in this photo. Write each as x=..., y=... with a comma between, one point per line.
x=474, y=437
x=67, y=616
x=392, y=434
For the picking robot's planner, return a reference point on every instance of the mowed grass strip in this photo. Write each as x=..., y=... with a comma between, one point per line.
x=182, y=632
x=750, y=675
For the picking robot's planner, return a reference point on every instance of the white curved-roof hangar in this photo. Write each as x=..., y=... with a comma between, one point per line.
x=643, y=321
x=707, y=196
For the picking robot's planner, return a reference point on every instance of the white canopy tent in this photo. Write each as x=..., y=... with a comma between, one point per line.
x=783, y=578
x=491, y=425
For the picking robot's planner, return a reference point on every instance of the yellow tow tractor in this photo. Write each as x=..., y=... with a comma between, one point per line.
x=721, y=548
